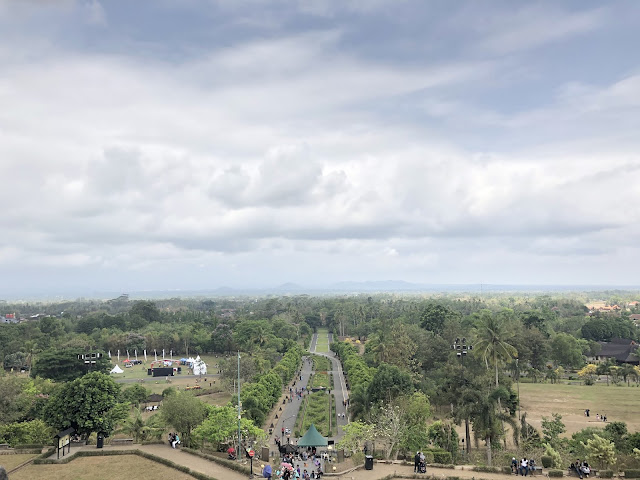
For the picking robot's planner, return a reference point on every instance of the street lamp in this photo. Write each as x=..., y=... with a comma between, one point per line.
x=461, y=348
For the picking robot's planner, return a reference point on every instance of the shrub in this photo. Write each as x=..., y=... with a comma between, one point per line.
x=605, y=473
x=547, y=461
x=486, y=469
x=442, y=457
x=506, y=470
x=556, y=473
x=428, y=457
x=632, y=473
x=29, y=446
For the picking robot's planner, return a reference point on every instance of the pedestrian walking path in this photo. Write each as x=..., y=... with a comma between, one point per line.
x=290, y=405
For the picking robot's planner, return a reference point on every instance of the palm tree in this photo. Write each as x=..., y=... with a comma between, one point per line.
x=488, y=421
x=491, y=335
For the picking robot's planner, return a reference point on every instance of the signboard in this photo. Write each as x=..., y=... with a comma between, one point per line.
x=251, y=453
x=64, y=441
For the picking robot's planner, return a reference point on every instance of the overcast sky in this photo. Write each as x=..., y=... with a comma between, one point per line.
x=198, y=143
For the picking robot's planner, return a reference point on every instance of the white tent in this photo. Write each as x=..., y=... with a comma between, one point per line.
x=116, y=369
x=199, y=367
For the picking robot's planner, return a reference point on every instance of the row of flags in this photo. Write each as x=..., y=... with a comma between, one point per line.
x=145, y=354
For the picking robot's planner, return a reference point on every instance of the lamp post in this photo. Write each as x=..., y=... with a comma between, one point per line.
x=461, y=348
x=239, y=412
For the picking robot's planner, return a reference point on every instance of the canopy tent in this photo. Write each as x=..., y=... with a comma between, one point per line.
x=116, y=369
x=199, y=367
x=312, y=438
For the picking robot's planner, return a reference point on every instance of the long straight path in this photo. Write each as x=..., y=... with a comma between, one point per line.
x=288, y=411
x=339, y=390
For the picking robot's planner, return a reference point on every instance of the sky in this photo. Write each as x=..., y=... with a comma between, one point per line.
x=193, y=144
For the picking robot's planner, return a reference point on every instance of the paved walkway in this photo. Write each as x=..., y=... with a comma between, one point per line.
x=380, y=470
x=339, y=390
x=287, y=417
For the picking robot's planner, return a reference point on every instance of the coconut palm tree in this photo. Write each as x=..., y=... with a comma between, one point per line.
x=492, y=340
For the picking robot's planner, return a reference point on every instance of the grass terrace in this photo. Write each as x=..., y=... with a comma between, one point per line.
x=122, y=467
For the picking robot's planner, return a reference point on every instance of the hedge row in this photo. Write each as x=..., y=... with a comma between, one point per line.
x=487, y=469
x=354, y=366
x=632, y=473
x=263, y=394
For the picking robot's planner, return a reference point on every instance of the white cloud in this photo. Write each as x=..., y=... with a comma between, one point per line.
x=292, y=155
x=95, y=14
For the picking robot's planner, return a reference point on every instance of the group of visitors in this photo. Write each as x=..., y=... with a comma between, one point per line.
x=523, y=467
x=294, y=474
x=598, y=416
x=419, y=463
x=174, y=439
x=303, y=464
x=581, y=468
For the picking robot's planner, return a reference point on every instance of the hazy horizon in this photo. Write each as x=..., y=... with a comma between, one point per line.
x=186, y=146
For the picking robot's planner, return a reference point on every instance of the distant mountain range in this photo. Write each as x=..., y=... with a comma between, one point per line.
x=290, y=288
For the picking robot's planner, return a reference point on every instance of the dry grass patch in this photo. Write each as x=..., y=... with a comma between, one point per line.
x=12, y=461
x=618, y=403
x=120, y=467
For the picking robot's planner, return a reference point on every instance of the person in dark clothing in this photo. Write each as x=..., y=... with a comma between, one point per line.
x=416, y=462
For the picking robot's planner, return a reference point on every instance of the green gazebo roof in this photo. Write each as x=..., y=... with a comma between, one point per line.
x=312, y=438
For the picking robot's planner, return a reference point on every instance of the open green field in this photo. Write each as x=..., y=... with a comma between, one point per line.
x=12, y=461
x=126, y=467
x=322, y=345
x=618, y=403
x=140, y=371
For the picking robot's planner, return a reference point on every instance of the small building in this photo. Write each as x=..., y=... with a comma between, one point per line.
x=619, y=350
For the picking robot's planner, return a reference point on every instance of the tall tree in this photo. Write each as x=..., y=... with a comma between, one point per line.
x=88, y=404
x=492, y=340
x=184, y=412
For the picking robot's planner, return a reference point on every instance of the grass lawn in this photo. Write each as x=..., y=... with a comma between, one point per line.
x=322, y=344
x=321, y=364
x=121, y=467
x=618, y=403
x=320, y=379
x=12, y=461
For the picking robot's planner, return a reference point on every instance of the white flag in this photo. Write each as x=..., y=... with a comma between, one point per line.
x=109, y=353
x=135, y=352
x=163, y=353
x=118, y=356
x=155, y=352
x=145, y=354
x=127, y=354
x=171, y=354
